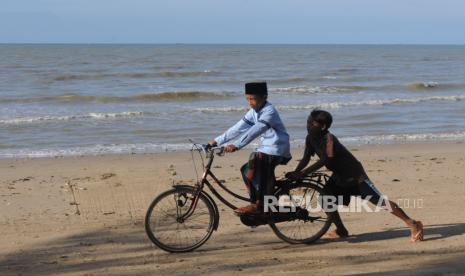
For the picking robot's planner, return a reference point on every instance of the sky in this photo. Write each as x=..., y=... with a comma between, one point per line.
x=233, y=21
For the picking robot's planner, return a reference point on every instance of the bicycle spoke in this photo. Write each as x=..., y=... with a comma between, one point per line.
x=171, y=228
x=299, y=229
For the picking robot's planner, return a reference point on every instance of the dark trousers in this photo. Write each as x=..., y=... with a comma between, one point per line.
x=258, y=174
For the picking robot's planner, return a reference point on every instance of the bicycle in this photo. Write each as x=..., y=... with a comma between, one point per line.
x=184, y=217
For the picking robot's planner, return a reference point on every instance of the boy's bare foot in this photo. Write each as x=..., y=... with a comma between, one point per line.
x=417, y=232
x=335, y=234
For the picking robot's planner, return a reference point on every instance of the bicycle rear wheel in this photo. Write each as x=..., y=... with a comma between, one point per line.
x=171, y=228
x=311, y=223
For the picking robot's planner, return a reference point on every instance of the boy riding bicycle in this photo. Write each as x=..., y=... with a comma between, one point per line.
x=261, y=120
x=349, y=177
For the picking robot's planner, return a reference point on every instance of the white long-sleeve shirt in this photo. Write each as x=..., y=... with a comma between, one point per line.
x=265, y=123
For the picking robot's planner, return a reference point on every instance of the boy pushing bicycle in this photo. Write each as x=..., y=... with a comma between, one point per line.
x=349, y=177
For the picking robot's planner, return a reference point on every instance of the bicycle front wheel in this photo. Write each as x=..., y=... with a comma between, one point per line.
x=170, y=226
x=311, y=222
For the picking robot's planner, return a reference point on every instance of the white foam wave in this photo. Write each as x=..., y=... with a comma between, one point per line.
x=94, y=150
x=221, y=109
x=156, y=148
x=430, y=84
x=30, y=120
x=313, y=89
x=336, y=105
x=423, y=85
x=405, y=137
x=115, y=115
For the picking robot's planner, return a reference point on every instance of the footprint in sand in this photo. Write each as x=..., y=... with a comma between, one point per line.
x=171, y=170
x=107, y=175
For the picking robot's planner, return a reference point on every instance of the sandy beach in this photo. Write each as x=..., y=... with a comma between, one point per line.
x=84, y=216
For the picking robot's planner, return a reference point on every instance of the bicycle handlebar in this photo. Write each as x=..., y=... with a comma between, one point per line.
x=207, y=148
x=217, y=150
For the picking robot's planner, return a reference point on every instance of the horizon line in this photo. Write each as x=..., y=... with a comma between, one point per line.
x=229, y=43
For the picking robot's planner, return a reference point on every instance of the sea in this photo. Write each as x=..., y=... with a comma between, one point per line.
x=92, y=99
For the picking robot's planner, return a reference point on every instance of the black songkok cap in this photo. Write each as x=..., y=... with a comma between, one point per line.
x=256, y=88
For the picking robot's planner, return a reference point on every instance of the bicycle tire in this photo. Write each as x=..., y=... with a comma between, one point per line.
x=316, y=233
x=153, y=231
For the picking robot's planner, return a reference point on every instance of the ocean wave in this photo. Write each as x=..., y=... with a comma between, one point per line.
x=134, y=75
x=235, y=81
x=30, y=120
x=71, y=77
x=422, y=85
x=184, y=74
x=148, y=97
x=93, y=150
x=221, y=109
x=336, y=105
x=137, y=75
x=414, y=86
x=319, y=89
x=6, y=146
x=367, y=123
x=116, y=115
x=343, y=71
x=432, y=85
x=405, y=137
x=287, y=80
x=181, y=96
x=166, y=147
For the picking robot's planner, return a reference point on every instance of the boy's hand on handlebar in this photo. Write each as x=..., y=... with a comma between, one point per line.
x=230, y=148
x=212, y=143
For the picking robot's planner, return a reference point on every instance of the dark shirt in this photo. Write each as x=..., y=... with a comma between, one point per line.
x=333, y=155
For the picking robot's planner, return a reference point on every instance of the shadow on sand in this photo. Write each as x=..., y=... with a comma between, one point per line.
x=431, y=232
x=126, y=250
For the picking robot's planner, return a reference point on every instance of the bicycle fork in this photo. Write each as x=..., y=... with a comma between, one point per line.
x=182, y=217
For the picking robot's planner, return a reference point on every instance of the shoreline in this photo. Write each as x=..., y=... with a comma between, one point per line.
x=297, y=147
x=78, y=215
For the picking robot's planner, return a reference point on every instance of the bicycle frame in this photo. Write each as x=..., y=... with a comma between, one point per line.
x=317, y=178
x=208, y=173
x=203, y=181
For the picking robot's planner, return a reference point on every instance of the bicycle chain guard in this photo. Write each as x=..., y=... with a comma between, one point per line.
x=255, y=220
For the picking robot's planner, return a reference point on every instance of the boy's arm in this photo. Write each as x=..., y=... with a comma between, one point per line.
x=240, y=127
x=308, y=152
x=252, y=133
x=325, y=158
x=263, y=124
x=314, y=167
